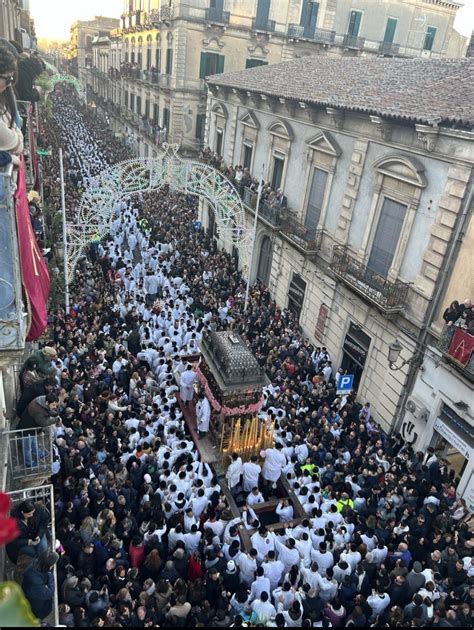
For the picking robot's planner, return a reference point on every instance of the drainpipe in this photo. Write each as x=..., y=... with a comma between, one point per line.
x=455, y=244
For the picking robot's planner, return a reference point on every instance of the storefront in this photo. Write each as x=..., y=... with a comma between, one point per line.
x=453, y=439
x=354, y=352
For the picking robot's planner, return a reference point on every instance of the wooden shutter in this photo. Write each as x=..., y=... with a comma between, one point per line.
x=387, y=236
x=316, y=198
x=220, y=64
x=202, y=67
x=390, y=31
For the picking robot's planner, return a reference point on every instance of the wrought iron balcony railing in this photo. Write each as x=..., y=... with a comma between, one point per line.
x=350, y=41
x=263, y=25
x=454, y=339
x=319, y=35
x=166, y=13
x=387, y=48
x=217, y=15
x=306, y=240
x=389, y=297
x=30, y=452
x=271, y=213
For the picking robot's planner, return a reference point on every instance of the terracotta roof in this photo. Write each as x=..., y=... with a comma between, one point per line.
x=421, y=90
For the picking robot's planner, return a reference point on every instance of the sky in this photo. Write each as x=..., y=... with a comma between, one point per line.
x=53, y=18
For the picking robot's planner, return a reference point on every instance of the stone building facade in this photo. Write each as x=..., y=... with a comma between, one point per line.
x=374, y=158
x=165, y=50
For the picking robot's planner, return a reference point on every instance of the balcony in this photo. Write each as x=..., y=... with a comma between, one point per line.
x=305, y=240
x=30, y=453
x=153, y=17
x=152, y=76
x=217, y=16
x=389, y=297
x=318, y=35
x=350, y=41
x=166, y=13
x=271, y=214
x=387, y=48
x=452, y=340
x=267, y=26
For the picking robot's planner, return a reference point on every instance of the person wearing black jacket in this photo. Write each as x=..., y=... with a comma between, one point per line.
x=40, y=388
x=32, y=526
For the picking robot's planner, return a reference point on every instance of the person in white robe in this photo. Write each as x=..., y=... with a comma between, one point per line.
x=186, y=389
x=275, y=460
x=203, y=415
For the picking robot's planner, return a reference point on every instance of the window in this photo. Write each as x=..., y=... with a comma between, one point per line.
x=429, y=38
x=158, y=59
x=139, y=105
x=132, y=102
x=217, y=4
x=309, y=17
x=296, y=295
x=277, y=175
x=166, y=118
x=126, y=99
x=126, y=57
x=147, y=109
x=316, y=198
x=211, y=63
x=253, y=63
x=169, y=61
x=148, y=58
x=354, y=23
x=263, y=11
x=248, y=151
x=219, y=141
x=387, y=235
x=132, y=57
x=140, y=59
x=390, y=31
x=200, y=125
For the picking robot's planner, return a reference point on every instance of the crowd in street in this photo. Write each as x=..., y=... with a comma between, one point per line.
x=145, y=533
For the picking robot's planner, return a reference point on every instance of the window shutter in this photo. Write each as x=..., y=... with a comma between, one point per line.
x=354, y=23
x=263, y=11
x=390, y=31
x=387, y=236
x=202, y=68
x=316, y=197
x=220, y=64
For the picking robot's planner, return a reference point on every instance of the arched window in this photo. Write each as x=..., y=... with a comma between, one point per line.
x=265, y=261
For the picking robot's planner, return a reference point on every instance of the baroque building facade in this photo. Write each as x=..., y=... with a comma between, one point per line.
x=376, y=175
x=163, y=51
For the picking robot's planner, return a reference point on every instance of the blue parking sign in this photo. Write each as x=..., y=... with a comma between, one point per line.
x=344, y=385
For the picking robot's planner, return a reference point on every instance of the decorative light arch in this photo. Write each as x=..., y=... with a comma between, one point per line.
x=66, y=78
x=100, y=202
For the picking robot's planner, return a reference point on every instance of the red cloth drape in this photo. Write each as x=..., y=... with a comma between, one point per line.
x=461, y=346
x=34, y=274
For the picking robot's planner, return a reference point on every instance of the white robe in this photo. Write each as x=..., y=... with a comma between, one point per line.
x=186, y=390
x=275, y=460
x=203, y=415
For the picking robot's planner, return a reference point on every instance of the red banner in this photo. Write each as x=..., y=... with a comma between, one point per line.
x=461, y=346
x=34, y=274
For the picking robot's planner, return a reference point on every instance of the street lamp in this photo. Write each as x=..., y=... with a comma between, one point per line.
x=394, y=351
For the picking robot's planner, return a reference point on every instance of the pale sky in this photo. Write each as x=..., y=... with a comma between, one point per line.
x=53, y=18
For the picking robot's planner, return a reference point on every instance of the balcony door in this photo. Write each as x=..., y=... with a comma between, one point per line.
x=296, y=294
x=390, y=31
x=354, y=23
x=387, y=235
x=278, y=167
x=309, y=17
x=263, y=11
x=316, y=199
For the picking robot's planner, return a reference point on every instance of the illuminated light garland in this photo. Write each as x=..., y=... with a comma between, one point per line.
x=227, y=411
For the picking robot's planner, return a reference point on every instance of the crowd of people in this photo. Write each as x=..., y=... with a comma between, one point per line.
x=145, y=534
x=242, y=179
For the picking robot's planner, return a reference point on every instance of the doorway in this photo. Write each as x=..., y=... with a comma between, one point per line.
x=354, y=352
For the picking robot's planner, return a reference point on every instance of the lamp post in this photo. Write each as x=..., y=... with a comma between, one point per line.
x=394, y=351
x=254, y=235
